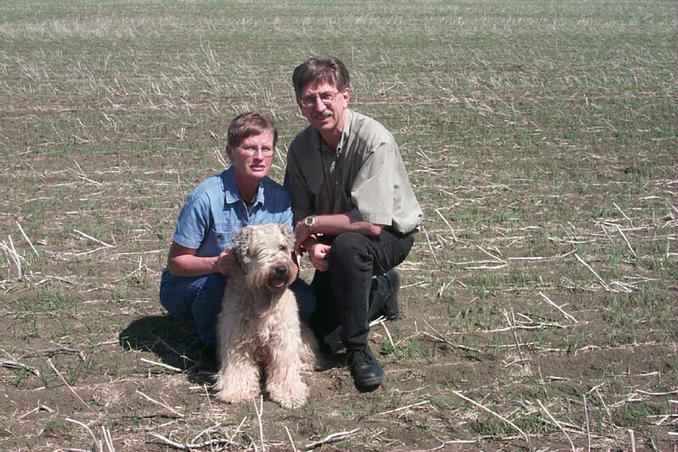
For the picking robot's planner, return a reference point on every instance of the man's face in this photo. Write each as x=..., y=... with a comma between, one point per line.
x=324, y=106
x=252, y=158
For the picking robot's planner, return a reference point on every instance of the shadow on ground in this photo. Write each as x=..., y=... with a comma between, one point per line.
x=174, y=343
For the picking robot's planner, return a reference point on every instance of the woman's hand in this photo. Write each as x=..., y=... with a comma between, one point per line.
x=225, y=262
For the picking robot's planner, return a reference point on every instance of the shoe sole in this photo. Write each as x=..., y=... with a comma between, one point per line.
x=369, y=385
x=364, y=389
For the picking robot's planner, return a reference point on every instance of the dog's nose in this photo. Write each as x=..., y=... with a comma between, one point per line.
x=281, y=271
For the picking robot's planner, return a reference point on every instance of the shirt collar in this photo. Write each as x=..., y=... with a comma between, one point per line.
x=343, y=140
x=231, y=194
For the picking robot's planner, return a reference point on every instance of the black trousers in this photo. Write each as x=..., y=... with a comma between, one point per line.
x=354, y=289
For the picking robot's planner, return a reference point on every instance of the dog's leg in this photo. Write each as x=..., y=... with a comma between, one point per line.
x=283, y=371
x=284, y=384
x=238, y=376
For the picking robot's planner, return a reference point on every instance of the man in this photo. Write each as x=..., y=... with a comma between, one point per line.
x=201, y=254
x=354, y=211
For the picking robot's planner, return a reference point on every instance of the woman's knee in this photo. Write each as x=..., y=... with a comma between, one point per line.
x=178, y=294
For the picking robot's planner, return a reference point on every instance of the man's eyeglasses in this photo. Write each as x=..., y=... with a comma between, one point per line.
x=252, y=150
x=326, y=98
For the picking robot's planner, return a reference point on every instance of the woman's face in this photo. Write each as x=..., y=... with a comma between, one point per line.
x=253, y=157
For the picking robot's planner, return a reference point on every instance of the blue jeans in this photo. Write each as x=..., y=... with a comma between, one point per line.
x=198, y=300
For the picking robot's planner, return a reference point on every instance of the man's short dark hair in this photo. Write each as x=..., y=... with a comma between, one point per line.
x=324, y=69
x=248, y=124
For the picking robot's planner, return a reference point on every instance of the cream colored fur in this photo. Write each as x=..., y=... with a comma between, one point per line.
x=259, y=327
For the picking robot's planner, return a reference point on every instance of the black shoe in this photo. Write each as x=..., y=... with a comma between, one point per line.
x=365, y=370
x=391, y=310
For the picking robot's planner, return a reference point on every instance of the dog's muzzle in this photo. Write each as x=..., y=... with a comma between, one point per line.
x=278, y=278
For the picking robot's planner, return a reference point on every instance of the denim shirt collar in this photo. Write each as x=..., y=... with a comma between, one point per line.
x=231, y=195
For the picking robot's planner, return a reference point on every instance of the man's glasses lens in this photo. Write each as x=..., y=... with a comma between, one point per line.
x=325, y=98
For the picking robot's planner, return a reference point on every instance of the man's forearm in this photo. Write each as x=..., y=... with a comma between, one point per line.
x=335, y=224
x=343, y=222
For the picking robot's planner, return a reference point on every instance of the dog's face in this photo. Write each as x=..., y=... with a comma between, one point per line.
x=264, y=254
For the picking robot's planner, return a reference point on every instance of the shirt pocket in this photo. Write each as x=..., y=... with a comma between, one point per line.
x=219, y=237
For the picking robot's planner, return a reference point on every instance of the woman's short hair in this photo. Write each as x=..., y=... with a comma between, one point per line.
x=248, y=124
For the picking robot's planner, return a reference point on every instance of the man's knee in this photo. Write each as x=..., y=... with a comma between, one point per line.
x=347, y=247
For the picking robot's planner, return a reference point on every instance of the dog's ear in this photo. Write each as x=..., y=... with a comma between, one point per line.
x=287, y=233
x=241, y=241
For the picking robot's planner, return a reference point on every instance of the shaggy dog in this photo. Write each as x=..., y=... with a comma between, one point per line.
x=259, y=325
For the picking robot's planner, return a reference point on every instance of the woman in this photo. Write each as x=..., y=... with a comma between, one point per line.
x=201, y=255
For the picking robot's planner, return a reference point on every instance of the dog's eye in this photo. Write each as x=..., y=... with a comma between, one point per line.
x=282, y=247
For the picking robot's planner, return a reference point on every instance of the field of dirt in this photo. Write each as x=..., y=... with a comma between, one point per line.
x=538, y=305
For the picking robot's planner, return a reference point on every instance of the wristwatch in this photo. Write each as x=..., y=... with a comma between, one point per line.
x=310, y=222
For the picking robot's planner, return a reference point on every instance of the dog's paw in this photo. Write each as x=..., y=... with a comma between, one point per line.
x=289, y=397
x=290, y=402
x=236, y=396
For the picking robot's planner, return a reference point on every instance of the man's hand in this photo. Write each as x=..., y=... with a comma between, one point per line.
x=225, y=262
x=301, y=233
x=318, y=253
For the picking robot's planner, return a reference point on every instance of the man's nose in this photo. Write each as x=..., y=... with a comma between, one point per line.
x=318, y=104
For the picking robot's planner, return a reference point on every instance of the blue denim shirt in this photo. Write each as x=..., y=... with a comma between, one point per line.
x=214, y=212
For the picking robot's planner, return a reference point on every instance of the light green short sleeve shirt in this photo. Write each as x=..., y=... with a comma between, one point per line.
x=365, y=176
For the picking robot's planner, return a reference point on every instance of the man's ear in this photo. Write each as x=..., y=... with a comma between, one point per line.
x=346, y=95
x=229, y=152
